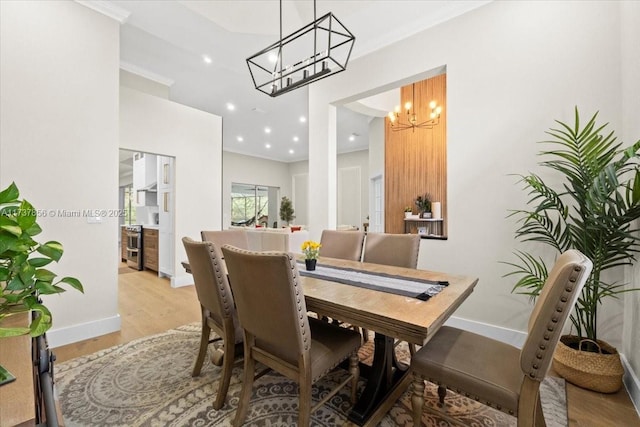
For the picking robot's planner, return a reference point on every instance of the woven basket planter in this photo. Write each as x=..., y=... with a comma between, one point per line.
x=600, y=372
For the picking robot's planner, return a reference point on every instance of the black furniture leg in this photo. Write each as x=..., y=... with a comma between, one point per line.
x=381, y=381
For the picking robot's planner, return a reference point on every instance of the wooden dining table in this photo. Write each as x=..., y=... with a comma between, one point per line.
x=391, y=317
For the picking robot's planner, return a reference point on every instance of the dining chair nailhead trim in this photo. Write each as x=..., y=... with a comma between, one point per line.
x=219, y=280
x=550, y=328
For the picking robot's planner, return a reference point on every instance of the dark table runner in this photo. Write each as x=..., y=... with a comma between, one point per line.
x=415, y=288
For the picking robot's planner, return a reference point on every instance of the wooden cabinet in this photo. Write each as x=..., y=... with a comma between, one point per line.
x=17, y=399
x=150, y=248
x=123, y=243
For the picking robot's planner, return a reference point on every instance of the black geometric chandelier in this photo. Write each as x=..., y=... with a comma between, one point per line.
x=315, y=51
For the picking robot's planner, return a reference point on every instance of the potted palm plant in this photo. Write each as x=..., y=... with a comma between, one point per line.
x=592, y=209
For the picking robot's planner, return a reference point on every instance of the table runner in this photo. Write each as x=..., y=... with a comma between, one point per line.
x=415, y=288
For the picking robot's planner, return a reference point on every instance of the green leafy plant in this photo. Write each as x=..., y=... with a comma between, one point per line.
x=286, y=210
x=22, y=276
x=592, y=210
x=406, y=209
x=424, y=203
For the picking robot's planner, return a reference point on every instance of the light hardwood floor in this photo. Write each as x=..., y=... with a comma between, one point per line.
x=148, y=305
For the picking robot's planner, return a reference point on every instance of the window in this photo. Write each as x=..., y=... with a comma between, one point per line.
x=250, y=205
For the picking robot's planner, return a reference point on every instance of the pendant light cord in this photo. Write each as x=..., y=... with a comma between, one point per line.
x=280, y=50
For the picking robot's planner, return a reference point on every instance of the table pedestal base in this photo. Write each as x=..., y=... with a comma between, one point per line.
x=385, y=375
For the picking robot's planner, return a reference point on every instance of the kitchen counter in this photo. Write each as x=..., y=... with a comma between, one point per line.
x=151, y=226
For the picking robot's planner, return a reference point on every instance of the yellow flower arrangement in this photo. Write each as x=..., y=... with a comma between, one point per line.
x=311, y=249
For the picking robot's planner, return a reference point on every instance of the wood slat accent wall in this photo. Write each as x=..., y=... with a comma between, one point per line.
x=416, y=159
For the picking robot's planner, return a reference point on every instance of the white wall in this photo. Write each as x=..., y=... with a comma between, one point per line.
x=376, y=161
x=58, y=142
x=299, y=172
x=252, y=170
x=143, y=84
x=630, y=35
x=512, y=68
x=356, y=160
x=155, y=125
x=376, y=147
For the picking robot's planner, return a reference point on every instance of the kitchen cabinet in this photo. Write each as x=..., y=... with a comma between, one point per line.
x=165, y=172
x=145, y=176
x=123, y=243
x=150, y=249
x=166, y=207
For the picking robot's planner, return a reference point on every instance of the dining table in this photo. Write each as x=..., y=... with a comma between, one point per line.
x=396, y=303
x=340, y=289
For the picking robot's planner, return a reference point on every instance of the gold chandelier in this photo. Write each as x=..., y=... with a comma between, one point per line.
x=411, y=118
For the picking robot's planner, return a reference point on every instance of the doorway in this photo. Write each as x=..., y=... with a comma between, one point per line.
x=146, y=199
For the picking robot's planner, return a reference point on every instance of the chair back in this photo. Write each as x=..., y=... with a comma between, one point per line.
x=400, y=250
x=342, y=244
x=554, y=304
x=234, y=237
x=212, y=286
x=269, y=301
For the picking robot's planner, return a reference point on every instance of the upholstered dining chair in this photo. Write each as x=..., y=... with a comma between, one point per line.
x=498, y=374
x=277, y=331
x=400, y=250
x=218, y=310
x=342, y=244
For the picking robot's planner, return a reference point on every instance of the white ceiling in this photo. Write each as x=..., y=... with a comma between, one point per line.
x=169, y=39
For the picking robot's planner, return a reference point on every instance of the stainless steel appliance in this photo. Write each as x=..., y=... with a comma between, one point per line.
x=134, y=246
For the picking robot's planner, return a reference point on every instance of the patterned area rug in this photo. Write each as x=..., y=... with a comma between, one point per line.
x=148, y=382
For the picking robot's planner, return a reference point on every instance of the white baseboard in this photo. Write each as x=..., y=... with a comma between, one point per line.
x=517, y=339
x=182, y=280
x=83, y=331
x=631, y=382
x=506, y=335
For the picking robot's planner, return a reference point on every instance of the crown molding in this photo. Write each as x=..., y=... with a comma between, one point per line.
x=107, y=8
x=150, y=75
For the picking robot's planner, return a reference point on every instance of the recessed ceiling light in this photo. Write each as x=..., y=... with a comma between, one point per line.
x=303, y=119
x=290, y=151
x=207, y=59
x=267, y=130
x=296, y=139
x=352, y=138
x=267, y=145
x=273, y=57
x=230, y=106
x=240, y=139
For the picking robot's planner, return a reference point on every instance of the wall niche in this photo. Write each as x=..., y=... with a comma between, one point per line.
x=416, y=159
